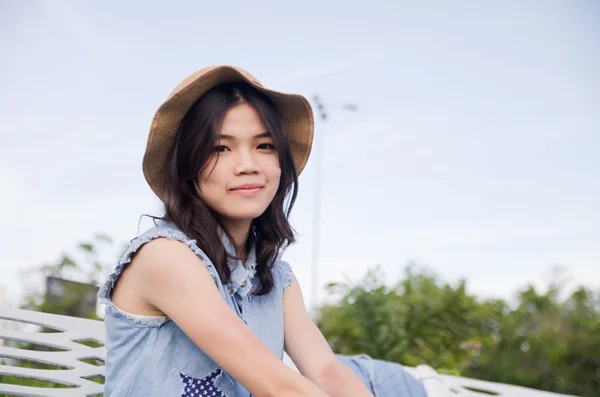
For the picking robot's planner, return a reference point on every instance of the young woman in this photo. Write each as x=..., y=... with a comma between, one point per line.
x=202, y=304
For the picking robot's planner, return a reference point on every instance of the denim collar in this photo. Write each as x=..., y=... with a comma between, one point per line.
x=241, y=276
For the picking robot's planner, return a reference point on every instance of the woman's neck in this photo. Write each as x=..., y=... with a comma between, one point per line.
x=238, y=232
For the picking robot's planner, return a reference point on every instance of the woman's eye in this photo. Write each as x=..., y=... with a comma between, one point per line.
x=266, y=146
x=221, y=148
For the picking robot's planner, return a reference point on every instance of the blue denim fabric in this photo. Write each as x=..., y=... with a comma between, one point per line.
x=154, y=357
x=383, y=378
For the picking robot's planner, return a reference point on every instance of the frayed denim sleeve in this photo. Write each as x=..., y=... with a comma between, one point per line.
x=137, y=243
x=284, y=274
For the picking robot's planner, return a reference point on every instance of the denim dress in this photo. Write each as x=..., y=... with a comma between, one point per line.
x=152, y=356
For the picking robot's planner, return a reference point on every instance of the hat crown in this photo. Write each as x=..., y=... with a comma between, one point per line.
x=199, y=73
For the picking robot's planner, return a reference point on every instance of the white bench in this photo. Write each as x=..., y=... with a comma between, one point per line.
x=75, y=373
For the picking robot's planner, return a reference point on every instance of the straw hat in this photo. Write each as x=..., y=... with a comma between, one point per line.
x=295, y=111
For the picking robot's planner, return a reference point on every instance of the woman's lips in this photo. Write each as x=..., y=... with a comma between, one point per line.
x=247, y=190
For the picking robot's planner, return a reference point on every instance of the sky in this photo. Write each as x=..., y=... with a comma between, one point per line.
x=474, y=150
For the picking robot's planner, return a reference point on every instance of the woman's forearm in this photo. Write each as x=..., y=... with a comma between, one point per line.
x=295, y=385
x=337, y=380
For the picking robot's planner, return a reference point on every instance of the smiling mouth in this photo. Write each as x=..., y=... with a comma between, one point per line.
x=249, y=190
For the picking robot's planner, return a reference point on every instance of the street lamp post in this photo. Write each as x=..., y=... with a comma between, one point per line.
x=317, y=155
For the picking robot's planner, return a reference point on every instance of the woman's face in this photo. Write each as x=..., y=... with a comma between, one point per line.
x=242, y=176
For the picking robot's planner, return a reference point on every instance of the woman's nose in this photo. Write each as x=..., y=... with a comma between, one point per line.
x=246, y=163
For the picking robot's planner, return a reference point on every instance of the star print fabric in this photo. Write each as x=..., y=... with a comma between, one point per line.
x=204, y=387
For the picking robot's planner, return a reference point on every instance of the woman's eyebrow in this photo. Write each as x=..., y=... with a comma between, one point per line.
x=265, y=134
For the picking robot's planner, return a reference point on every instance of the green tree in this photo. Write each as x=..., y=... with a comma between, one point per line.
x=545, y=340
x=416, y=321
x=546, y=343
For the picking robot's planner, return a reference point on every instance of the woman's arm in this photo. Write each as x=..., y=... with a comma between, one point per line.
x=172, y=279
x=311, y=353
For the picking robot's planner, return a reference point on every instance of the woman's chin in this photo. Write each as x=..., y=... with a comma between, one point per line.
x=243, y=216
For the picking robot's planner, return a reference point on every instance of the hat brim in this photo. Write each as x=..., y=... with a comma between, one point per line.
x=295, y=111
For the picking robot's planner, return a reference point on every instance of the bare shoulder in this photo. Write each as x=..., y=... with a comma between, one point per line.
x=160, y=250
x=160, y=256
x=163, y=261
x=159, y=265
